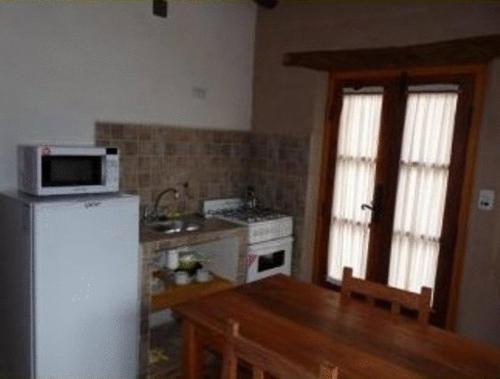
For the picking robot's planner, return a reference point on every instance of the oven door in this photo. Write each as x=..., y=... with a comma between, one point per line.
x=269, y=258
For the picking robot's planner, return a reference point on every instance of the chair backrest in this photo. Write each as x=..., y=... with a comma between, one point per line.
x=396, y=297
x=263, y=361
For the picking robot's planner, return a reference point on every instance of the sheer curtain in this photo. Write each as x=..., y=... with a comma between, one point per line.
x=422, y=185
x=354, y=181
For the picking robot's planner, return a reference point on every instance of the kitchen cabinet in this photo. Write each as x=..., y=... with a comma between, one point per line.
x=213, y=231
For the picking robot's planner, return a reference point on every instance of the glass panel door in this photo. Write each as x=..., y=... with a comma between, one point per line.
x=355, y=168
x=422, y=187
x=393, y=178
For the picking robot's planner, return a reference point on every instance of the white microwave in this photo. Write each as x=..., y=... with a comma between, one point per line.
x=63, y=170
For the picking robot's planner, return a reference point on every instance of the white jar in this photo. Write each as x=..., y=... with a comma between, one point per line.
x=172, y=259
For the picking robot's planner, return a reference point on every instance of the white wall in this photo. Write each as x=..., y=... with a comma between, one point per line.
x=65, y=65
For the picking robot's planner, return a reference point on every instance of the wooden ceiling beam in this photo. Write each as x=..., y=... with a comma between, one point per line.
x=473, y=50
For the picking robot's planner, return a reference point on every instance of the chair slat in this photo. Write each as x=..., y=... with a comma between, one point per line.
x=257, y=373
x=328, y=371
x=263, y=360
x=396, y=297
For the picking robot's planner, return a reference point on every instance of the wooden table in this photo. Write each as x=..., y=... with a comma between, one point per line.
x=308, y=325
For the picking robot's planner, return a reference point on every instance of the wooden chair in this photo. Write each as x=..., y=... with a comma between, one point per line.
x=263, y=361
x=396, y=297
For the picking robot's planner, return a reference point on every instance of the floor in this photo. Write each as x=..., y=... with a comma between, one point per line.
x=167, y=340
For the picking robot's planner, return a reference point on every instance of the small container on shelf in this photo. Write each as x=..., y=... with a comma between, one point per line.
x=172, y=259
x=182, y=278
x=203, y=275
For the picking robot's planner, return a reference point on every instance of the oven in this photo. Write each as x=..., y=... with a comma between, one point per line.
x=269, y=258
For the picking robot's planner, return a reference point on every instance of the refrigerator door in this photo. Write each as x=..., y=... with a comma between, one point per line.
x=86, y=276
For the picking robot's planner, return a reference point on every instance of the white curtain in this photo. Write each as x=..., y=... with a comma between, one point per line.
x=354, y=181
x=422, y=185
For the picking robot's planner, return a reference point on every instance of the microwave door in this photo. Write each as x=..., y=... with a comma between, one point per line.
x=71, y=171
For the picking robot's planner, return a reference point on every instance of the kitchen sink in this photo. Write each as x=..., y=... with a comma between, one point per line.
x=174, y=226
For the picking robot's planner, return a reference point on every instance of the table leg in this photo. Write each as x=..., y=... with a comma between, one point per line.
x=192, y=357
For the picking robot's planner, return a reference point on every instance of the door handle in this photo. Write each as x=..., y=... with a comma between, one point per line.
x=364, y=207
x=376, y=206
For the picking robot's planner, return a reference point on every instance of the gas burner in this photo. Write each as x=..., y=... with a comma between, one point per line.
x=248, y=215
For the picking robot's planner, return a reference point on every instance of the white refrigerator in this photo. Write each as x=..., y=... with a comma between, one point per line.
x=69, y=287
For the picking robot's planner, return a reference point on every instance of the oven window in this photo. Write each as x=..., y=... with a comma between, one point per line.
x=270, y=261
x=65, y=171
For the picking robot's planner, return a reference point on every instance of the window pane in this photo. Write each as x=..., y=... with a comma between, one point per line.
x=354, y=181
x=422, y=185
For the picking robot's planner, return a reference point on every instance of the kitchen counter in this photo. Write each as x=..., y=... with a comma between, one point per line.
x=153, y=243
x=211, y=229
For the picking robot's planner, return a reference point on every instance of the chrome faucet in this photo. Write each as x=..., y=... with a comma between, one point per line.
x=154, y=213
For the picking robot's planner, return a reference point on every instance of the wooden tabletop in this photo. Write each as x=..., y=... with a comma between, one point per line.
x=308, y=325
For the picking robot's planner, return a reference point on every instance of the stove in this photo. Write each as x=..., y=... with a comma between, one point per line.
x=263, y=224
x=270, y=238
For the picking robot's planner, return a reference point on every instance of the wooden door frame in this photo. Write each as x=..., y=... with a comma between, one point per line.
x=328, y=159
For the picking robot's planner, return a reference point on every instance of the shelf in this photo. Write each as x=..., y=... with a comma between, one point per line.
x=174, y=295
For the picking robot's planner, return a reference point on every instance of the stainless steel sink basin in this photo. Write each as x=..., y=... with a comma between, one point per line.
x=174, y=226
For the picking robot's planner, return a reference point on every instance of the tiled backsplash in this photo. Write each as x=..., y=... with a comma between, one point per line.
x=278, y=170
x=214, y=164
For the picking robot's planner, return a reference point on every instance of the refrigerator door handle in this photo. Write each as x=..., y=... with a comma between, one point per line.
x=92, y=204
